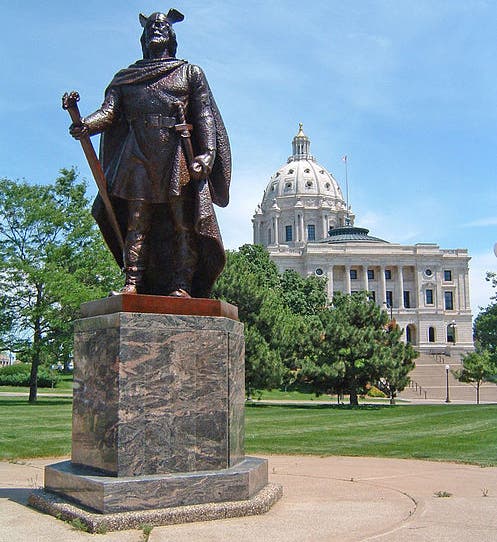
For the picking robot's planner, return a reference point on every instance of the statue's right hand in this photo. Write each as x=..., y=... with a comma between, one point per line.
x=79, y=131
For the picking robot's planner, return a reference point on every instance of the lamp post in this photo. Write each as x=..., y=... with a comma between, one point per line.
x=447, y=368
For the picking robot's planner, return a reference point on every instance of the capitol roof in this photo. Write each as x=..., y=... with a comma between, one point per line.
x=351, y=234
x=302, y=176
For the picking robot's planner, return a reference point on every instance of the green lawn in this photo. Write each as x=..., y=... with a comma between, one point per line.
x=39, y=430
x=295, y=395
x=464, y=433
x=63, y=387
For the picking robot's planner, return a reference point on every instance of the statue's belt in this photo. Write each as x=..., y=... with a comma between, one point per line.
x=155, y=121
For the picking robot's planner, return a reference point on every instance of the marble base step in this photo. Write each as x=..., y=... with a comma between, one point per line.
x=111, y=494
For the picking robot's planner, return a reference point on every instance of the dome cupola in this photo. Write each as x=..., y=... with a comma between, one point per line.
x=302, y=201
x=301, y=146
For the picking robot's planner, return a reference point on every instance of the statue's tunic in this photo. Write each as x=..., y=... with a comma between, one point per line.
x=143, y=159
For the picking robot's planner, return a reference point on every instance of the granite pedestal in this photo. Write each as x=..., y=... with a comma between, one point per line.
x=158, y=413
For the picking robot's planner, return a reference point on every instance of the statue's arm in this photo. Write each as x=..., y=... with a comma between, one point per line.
x=101, y=119
x=201, y=116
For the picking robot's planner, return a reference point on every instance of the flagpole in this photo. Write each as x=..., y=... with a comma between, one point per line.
x=347, y=188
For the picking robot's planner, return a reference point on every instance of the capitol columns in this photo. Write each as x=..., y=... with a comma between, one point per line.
x=275, y=213
x=365, y=281
x=383, y=286
x=400, y=286
x=347, y=280
x=329, y=284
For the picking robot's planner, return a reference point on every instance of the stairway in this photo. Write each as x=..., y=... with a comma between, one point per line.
x=428, y=382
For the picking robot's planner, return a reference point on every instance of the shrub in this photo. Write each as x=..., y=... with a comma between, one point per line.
x=18, y=375
x=375, y=392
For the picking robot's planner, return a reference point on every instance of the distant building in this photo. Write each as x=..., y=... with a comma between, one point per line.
x=304, y=223
x=7, y=358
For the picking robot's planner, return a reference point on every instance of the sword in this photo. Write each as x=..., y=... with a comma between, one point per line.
x=70, y=103
x=184, y=129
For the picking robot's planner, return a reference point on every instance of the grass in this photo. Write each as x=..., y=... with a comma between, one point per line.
x=295, y=395
x=460, y=433
x=42, y=429
x=64, y=387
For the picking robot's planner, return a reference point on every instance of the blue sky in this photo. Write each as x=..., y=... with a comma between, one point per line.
x=408, y=90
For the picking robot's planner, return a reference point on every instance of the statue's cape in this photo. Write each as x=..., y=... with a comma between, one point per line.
x=215, y=189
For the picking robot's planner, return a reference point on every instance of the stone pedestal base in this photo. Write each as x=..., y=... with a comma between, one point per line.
x=158, y=415
x=108, y=494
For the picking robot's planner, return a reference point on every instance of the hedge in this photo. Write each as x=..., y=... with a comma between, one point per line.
x=18, y=375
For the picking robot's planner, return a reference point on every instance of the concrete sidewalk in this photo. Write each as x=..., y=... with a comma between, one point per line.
x=325, y=499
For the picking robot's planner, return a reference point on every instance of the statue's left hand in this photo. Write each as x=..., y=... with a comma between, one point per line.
x=201, y=166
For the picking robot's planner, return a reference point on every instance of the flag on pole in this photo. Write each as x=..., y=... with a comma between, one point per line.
x=344, y=158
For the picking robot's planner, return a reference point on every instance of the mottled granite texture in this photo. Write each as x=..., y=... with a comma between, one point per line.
x=66, y=511
x=157, y=393
x=108, y=494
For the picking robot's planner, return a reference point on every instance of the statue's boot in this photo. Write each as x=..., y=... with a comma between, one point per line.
x=180, y=293
x=134, y=261
x=134, y=279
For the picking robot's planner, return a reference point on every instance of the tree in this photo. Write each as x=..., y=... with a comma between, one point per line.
x=353, y=350
x=52, y=259
x=485, y=326
x=277, y=334
x=398, y=363
x=478, y=367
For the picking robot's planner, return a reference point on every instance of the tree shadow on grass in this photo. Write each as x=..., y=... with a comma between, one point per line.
x=307, y=406
x=42, y=402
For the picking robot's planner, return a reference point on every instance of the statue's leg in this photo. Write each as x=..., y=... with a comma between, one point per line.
x=185, y=243
x=135, y=245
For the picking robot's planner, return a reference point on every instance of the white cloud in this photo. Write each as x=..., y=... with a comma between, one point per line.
x=489, y=221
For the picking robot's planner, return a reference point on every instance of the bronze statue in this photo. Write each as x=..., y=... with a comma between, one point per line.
x=166, y=159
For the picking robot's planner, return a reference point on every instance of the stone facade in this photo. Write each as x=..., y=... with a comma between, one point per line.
x=306, y=225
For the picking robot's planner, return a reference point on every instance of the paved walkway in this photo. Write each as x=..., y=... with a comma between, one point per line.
x=325, y=499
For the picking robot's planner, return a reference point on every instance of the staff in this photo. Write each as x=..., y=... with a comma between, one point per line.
x=70, y=103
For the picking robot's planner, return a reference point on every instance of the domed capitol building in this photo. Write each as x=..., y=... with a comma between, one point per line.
x=304, y=223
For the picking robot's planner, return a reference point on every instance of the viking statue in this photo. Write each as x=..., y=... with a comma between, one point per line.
x=166, y=158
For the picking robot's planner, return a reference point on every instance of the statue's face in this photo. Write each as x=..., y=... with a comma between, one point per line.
x=157, y=31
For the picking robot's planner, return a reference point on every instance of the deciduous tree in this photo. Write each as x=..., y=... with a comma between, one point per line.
x=478, y=367
x=52, y=259
x=280, y=323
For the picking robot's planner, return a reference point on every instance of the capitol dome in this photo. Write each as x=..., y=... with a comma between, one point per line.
x=303, y=176
x=301, y=202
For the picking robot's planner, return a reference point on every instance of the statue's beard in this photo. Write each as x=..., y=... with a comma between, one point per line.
x=157, y=44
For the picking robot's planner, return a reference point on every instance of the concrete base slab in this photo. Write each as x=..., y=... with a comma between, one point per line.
x=62, y=509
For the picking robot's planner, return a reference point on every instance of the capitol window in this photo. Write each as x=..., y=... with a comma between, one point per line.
x=311, y=232
x=353, y=274
x=429, y=297
x=388, y=274
x=447, y=275
x=288, y=233
x=370, y=274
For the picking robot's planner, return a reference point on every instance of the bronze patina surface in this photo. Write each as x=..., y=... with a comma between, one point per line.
x=166, y=158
